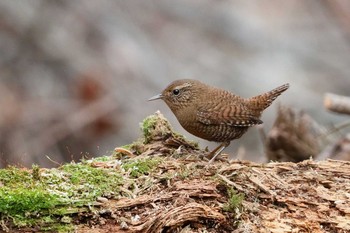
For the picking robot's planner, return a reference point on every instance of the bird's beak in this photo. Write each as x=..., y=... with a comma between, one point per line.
x=156, y=97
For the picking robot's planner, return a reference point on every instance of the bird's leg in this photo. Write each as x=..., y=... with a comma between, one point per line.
x=217, y=151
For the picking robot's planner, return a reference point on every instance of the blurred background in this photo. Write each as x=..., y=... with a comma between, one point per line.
x=75, y=76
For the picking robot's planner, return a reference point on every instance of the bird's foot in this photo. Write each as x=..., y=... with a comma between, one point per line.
x=217, y=151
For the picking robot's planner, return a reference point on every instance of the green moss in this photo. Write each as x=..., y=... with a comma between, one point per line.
x=103, y=159
x=59, y=228
x=136, y=147
x=140, y=167
x=83, y=183
x=22, y=200
x=22, y=196
x=234, y=201
x=35, y=172
x=39, y=197
x=148, y=125
x=155, y=126
x=12, y=176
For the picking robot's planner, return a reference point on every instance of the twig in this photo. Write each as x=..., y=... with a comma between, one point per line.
x=337, y=103
x=229, y=182
x=336, y=128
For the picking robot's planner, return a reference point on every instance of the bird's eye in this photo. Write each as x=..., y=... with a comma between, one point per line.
x=176, y=91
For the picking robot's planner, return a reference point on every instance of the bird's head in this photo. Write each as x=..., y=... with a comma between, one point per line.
x=180, y=94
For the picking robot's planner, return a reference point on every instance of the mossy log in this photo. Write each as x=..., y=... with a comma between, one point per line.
x=164, y=185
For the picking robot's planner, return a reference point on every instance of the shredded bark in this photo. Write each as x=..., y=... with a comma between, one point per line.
x=278, y=197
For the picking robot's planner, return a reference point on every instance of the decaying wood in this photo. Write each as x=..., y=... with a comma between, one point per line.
x=278, y=197
x=337, y=103
x=294, y=137
x=175, y=217
x=303, y=197
x=189, y=195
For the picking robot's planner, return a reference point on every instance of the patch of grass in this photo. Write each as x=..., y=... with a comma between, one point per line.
x=140, y=167
x=234, y=202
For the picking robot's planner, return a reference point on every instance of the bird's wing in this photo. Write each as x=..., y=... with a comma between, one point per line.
x=236, y=114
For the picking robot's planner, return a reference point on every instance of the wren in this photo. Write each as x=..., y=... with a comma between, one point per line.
x=215, y=114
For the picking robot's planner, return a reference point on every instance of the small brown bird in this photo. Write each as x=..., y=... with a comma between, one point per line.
x=215, y=114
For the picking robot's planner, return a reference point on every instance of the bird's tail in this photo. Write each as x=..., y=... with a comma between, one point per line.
x=261, y=102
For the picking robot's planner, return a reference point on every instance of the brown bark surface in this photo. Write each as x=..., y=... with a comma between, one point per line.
x=278, y=197
x=186, y=194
